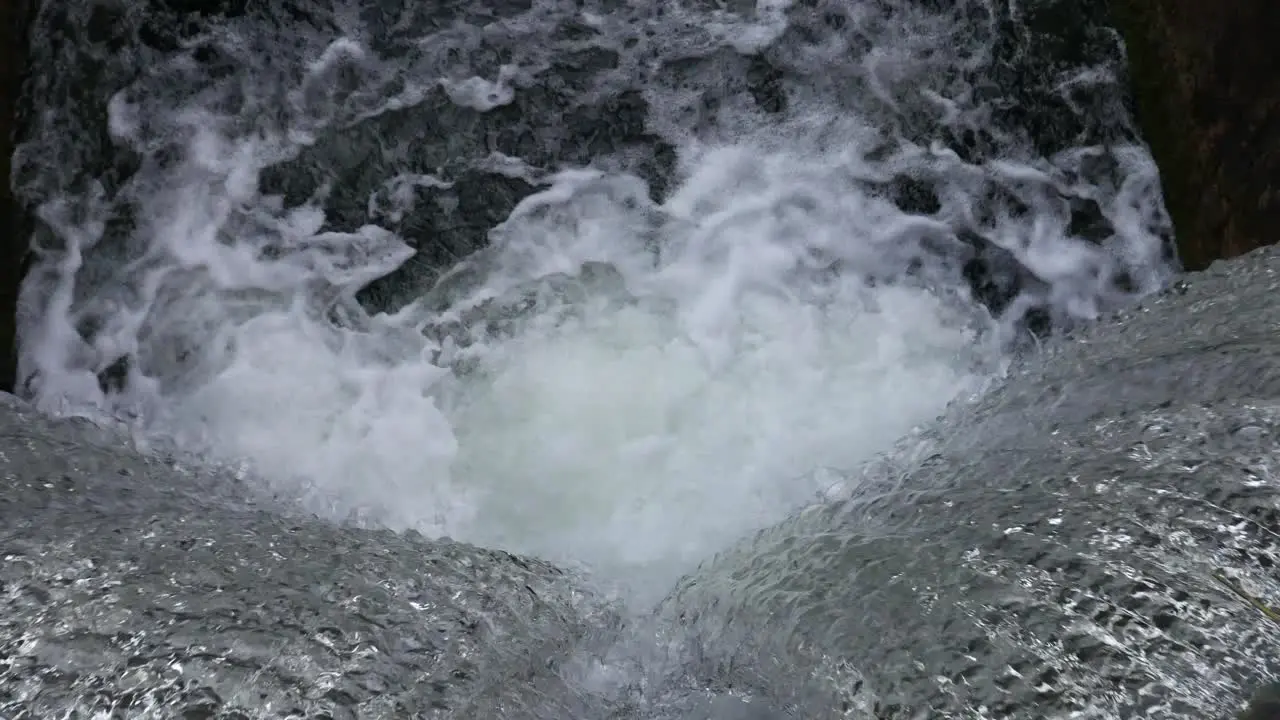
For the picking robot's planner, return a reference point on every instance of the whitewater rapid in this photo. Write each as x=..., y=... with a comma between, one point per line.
x=622, y=378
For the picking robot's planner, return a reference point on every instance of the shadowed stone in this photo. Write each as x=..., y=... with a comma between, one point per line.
x=15, y=18
x=1207, y=83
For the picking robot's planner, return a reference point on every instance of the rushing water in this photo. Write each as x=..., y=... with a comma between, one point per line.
x=621, y=379
x=610, y=283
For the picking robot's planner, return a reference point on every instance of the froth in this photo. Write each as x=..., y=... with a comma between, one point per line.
x=636, y=385
x=616, y=380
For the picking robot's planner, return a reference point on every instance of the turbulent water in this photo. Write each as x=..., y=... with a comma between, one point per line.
x=614, y=284
x=726, y=248
x=1097, y=538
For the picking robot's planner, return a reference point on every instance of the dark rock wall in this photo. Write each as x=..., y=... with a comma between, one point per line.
x=15, y=17
x=1206, y=79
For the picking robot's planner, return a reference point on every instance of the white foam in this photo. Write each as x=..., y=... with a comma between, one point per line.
x=636, y=426
x=612, y=382
x=480, y=94
x=645, y=433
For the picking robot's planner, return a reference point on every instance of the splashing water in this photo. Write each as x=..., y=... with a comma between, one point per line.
x=617, y=381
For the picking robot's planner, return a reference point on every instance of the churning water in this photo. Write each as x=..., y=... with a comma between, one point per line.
x=612, y=283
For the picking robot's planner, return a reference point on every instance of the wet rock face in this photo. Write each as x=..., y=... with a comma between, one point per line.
x=15, y=18
x=1096, y=537
x=133, y=585
x=1207, y=84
